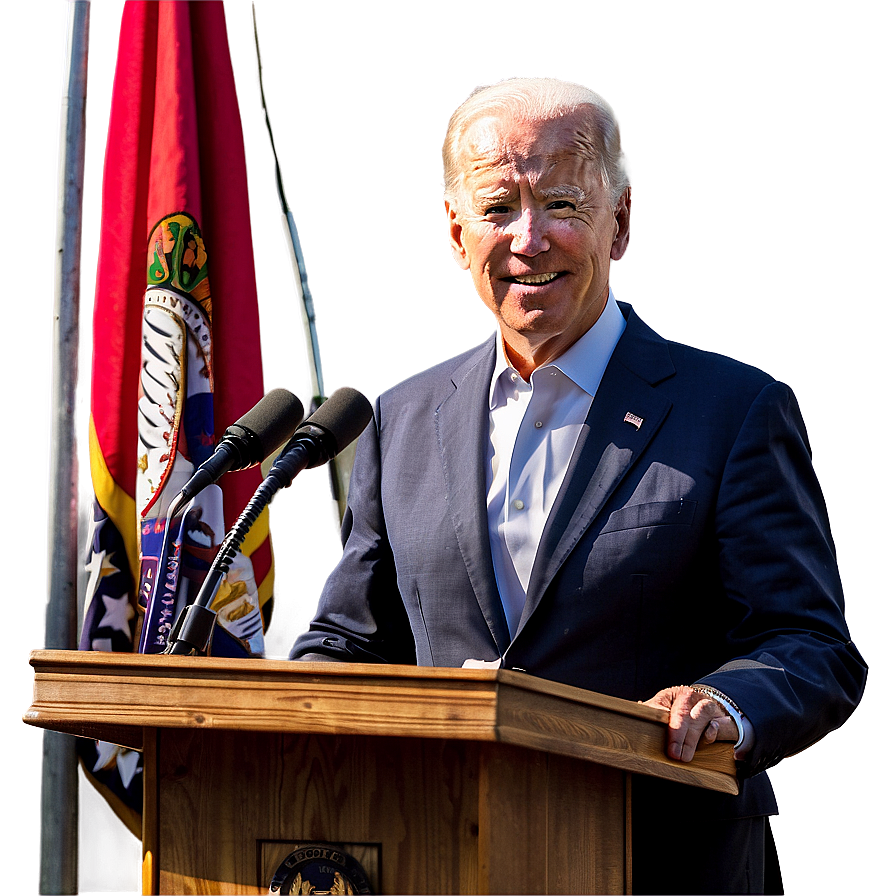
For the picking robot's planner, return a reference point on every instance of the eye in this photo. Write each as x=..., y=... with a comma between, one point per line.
x=558, y=204
x=497, y=210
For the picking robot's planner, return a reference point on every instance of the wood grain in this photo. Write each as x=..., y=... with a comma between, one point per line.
x=586, y=812
x=441, y=816
x=513, y=820
x=113, y=697
x=630, y=741
x=550, y=824
x=414, y=801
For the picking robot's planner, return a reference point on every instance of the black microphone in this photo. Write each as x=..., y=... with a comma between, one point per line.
x=247, y=442
x=329, y=430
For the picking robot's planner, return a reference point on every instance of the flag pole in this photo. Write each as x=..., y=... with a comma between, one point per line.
x=59, y=782
x=309, y=318
x=340, y=467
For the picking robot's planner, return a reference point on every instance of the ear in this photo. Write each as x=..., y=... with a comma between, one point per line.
x=456, y=231
x=623, y=222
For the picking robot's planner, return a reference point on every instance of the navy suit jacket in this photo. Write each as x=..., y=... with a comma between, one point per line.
x=692, y=546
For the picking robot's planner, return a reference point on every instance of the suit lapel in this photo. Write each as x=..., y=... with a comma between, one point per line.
x=461, y=426
x=624, y=417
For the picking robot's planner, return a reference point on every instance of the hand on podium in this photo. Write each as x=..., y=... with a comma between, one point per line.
x=694, y=712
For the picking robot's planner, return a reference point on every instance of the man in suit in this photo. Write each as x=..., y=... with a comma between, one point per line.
x=582, y=500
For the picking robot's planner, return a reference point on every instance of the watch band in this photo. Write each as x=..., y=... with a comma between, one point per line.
x=728, y=705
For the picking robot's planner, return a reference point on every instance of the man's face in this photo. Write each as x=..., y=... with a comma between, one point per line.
x=534, y=225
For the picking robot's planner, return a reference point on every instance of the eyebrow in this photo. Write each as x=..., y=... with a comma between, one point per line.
x=497, y=193
x=562, y=191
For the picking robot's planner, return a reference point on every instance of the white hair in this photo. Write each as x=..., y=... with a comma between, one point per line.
x=538, y=99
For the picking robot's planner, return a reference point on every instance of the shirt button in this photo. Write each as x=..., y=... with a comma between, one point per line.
x=519, y=505
x=538, y=424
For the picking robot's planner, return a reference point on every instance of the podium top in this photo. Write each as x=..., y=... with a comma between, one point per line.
x=113, y=697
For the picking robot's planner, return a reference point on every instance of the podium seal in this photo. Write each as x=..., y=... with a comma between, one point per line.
x=319, y=868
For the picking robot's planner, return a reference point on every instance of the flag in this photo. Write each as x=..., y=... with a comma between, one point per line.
x=176, y=353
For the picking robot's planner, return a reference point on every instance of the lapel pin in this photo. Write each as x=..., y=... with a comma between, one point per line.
x=635, y=420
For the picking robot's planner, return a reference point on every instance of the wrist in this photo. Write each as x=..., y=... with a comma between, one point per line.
x=729, y=706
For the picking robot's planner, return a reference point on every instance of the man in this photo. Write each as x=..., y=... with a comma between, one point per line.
x=585, y=501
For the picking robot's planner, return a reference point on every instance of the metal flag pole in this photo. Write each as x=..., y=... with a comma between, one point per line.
x=59, y=783
x=341, y=466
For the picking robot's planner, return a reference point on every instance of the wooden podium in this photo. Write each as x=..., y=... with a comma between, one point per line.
x=435, y=780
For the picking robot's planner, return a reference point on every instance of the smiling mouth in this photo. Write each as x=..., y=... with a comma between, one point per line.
x=534, y=279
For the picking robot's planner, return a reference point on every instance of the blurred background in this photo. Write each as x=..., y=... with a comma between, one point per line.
x=760, y=143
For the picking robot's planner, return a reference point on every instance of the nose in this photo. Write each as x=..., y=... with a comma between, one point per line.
x=529, y=233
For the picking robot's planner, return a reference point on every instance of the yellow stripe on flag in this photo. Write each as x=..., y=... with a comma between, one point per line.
x=255, y=538
x=119, y=506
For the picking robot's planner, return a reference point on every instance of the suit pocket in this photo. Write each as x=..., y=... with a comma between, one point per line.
x=657, y=513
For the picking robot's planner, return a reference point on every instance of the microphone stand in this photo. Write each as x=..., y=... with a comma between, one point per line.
x=339, y=421
x=192, y=631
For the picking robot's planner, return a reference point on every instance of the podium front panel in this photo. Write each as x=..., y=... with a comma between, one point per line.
x=420, y=815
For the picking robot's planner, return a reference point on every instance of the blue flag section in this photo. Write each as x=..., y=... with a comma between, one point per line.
x=110, y=615
x=109, y=623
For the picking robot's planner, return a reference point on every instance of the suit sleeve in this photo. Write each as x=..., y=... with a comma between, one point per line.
x=360, y=616
x=796, y=673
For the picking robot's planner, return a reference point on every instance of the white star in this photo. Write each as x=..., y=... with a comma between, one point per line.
x=105, y=754
x=118, y=612
x=127, y=761
x=95, y=526
x=94, y=567
x=99, y=566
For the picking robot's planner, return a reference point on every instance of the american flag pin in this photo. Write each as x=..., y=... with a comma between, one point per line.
x=634, y=419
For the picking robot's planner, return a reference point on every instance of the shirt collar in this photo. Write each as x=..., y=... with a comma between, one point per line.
x=585, y=361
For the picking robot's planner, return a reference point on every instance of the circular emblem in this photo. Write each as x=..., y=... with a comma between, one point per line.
x=319, y=868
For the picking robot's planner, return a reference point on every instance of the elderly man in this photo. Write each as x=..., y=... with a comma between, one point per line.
x=580, y=499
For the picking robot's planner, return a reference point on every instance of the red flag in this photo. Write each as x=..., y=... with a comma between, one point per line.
x=176, y=354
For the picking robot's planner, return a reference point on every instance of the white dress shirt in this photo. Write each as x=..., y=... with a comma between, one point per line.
x=533, y=430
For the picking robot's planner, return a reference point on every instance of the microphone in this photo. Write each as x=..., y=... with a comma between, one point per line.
x=247, y=442
x=327, y=432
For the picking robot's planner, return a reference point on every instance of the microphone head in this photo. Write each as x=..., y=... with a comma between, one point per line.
x=266, y=427
x=342, y=417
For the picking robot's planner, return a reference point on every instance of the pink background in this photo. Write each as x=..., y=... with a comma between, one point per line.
x=761, y=143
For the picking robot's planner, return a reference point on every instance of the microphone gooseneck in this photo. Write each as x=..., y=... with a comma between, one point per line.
x=329, y=430
x=257, y=434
